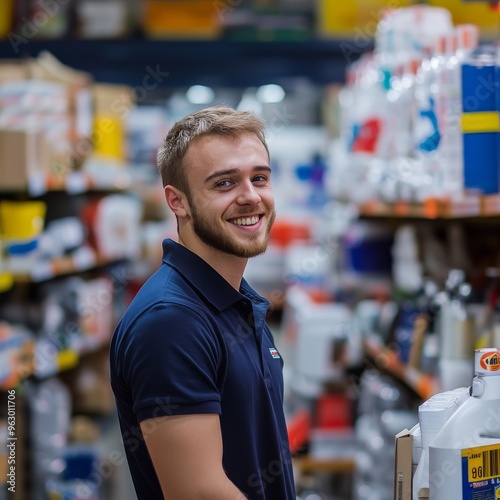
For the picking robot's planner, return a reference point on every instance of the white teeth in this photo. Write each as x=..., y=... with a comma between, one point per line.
x=246, y=222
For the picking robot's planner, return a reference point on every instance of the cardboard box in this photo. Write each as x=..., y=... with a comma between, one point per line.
x=78, y=87
x=68, y=135
x=24, y=156
x=403, y=467
x=112, y=99
x=13, y=70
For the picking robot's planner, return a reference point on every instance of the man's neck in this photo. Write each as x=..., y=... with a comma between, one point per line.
x=230, y=267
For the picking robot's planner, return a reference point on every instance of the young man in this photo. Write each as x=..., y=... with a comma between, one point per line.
x=196, y=375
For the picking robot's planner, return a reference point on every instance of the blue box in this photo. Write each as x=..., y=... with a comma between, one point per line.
x=481, y=123
x=480, y=162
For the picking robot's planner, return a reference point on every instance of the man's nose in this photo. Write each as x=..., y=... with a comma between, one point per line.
x=248, y=194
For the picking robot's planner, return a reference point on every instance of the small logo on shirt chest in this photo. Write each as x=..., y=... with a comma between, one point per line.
x=274, y=353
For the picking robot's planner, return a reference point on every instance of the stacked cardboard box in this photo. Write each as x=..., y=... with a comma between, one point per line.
x=45, y=120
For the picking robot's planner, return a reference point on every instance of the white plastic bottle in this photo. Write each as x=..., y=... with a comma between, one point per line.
x=449, y=104
x=432, y=415
x=427, y=120
x=464, y=458
x=450, y=151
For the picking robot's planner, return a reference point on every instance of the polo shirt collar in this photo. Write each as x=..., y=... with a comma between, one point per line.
x=205, y=278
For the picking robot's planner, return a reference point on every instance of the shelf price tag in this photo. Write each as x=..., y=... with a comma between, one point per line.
x=369, y=208
x=432, y=208
x=469, y=206
x=401, y=208
x=491, y=204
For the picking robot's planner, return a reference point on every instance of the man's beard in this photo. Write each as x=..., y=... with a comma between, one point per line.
x=226, y=242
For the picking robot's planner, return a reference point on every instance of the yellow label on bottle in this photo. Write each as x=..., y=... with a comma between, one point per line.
x=483, y=462
x=484, y=121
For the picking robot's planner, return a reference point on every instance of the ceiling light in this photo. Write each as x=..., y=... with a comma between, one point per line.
x=199, y=94
x=271, y=93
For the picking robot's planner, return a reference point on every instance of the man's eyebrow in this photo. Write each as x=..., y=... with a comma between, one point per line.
x=220, y=173
x=231, y=171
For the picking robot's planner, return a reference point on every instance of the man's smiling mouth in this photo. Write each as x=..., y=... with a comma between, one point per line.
x=245, y=221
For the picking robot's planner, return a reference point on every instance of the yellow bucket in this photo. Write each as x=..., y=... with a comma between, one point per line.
x=21, y=220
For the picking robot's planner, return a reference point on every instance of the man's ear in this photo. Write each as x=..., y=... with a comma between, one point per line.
x=177, y=201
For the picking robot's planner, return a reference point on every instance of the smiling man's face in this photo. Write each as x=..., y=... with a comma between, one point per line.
x=230, y=198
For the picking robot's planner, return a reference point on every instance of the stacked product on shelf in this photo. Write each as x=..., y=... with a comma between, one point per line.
x=269, y=20
x=404, y=107
x=67, y=233
x=479, y=121
x=45, y=122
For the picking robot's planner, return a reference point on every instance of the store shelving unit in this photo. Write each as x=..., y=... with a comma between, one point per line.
x=64, y=266
x=473, y=209
x=469, y=206
x=72, y=183
x=30, y=359
x=20, y=361
x=383, y=358
x=208, y=62
x=472, y=206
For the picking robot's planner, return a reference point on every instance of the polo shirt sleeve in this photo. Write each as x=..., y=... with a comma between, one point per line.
x=172, y=362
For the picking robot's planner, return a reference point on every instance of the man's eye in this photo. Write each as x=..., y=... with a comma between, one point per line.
x=224, y=183
x=260, y=178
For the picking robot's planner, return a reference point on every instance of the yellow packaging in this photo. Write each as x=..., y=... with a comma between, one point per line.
x=6, y=15
x=21, y=220
x=108, y=138
x=184, y=18
x=112, y=104
x=354, y=17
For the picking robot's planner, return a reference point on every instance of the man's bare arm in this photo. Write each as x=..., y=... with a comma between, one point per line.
x=186, y=451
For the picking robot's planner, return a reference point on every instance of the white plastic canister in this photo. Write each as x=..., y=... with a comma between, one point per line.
x=464, y=458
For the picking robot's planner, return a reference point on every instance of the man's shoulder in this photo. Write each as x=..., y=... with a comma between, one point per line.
x=170, y=309
x=168, y=287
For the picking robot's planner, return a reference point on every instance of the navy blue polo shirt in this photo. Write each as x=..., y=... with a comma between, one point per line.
x=190, y=343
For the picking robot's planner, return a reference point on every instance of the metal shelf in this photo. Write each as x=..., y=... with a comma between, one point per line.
x=217, y=63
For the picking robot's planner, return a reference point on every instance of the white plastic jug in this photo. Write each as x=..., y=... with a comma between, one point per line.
x=464, y=458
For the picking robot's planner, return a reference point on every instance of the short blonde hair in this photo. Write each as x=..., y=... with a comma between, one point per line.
x=216, y=120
